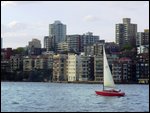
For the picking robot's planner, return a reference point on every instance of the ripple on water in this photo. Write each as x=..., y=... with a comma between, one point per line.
x=15, y=102
x=73, y=97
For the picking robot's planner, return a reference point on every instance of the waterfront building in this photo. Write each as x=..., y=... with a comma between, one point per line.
x=16, y=63
x=123, y=70
x=86, y=68
x=98, y=68
x=126, y=33
x=50, y=61
x=73, y=64
x=142, y=68
x=5, y=66
x=40, y=62
x=28, y=63
x=59, y=67
x=142, y=38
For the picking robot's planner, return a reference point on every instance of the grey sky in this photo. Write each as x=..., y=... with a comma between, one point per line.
x=21, y=21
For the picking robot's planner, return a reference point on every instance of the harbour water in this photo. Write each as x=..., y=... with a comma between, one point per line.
x=66, y=97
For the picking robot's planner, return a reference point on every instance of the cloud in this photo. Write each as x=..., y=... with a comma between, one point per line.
x=91, y=18
x=15, y=25
x=7, y=3
x=15, y=3
x=21, y=33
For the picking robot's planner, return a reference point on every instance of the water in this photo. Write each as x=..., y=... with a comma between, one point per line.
x=61, y=97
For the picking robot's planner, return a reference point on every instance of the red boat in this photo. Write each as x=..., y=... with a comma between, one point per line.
x=110, y=93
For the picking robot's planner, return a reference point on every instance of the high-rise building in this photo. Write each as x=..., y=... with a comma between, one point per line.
x=142, y=38
x=58, y=30
x=126, y=33
x=35, y=43
x=78, y=42
x=93, y=49
x=34, y=47
x=74, y=42
x=49, y=43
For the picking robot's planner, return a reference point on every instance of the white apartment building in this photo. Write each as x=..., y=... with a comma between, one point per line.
x=73, y=67
x=28, y=63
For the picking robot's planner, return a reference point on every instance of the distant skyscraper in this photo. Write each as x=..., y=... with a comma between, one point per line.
x=49, y=43
x=57, y=30
x=34, y=47
x=35, y=43
x=142, y=38
x=126, y=33
x=77, y=42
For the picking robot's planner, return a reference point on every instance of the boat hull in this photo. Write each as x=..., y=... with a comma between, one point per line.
x=110, y=93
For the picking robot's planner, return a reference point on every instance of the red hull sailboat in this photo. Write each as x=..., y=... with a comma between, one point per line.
x=108, y=81
x=110, y=93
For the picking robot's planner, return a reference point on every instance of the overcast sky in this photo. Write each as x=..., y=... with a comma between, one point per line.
x=23, y=20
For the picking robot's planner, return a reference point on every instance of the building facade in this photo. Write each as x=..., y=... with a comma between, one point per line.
x=86, y=68
x=123, y=70
x=57, y=30
x=98, y=68
x=49, y=43
x=142, y=38
x=74, y=42
x=59, y=67
x=63, y=47
x=28, y=64
x=34, y=47
x=16, y=63
x=142, y=68
x=73, y=64
x=126, y=33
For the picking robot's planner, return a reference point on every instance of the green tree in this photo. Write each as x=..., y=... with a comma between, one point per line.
x=20, y=50
x=127, y=47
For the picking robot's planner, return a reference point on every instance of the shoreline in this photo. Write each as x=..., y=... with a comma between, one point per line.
x=79, y=82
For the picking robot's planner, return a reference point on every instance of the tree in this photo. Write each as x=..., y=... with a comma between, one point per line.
x=126, y=47
x=20, y=50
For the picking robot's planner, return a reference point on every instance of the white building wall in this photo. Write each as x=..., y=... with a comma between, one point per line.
x=73, y=67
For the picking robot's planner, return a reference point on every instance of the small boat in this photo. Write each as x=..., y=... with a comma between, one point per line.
x=110, y=93
x=108, y=81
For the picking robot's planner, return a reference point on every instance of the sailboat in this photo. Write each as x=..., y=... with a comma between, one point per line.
x=108, y=81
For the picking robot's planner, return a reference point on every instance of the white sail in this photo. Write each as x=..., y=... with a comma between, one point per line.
x=108, y=79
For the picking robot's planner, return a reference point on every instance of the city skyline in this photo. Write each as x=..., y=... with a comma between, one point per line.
x=22, y=21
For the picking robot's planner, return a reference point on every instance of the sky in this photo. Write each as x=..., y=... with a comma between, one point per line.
x=21, y=21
